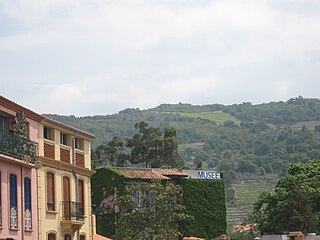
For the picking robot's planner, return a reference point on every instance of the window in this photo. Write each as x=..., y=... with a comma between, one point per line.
x=51, y=236
x=50, y=192
x=48, y=133
x=63, y=138
x=82, y=237
x=140, y=197
x=66, y=207
x=145, y=198
x=13, y=201
x=78, y=142
x=81, y=196
x=3, y=123
x=27, y=204
x=67, y=237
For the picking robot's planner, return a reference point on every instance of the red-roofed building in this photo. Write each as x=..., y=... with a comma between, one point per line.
x=110, y=183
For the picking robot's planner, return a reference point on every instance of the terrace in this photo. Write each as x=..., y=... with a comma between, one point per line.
x=18, y=147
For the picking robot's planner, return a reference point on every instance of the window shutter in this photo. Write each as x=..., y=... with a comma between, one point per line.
x=50, y=192
x=13, y=190
x=27, y=193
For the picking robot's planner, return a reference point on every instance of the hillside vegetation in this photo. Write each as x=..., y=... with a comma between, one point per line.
x=239, y=139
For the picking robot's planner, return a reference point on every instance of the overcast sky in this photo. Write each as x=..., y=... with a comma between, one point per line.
x=87, y=57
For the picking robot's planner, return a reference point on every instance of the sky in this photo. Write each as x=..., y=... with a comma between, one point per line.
x=85, y=57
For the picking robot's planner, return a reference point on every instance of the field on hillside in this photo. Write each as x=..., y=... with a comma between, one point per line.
x=246, y=193
x=218, y=116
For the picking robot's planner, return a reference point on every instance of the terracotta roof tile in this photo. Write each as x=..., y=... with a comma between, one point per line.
x=170, y=172
x=141, y=173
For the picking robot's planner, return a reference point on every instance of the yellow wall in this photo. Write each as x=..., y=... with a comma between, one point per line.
x=51, y=221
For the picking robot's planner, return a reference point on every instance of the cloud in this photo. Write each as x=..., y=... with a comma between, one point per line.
x=99, y=56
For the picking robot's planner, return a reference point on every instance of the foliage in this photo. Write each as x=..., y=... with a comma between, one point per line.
x=208, y=219
x=269, y=139
x=154, y=149
x=149, y=211
x=217, y=117
x=111, y=153
x=150, y=146
x=106, y=183
x=294, y=206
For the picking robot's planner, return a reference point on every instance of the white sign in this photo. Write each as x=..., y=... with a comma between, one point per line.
x=201, y=174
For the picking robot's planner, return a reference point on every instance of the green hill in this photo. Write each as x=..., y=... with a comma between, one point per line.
x=217, y=116
x=256, y=140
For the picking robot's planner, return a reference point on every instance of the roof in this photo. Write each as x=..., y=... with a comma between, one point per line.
x=141, y=173
x=18, y=108
x=63, y=125
x=150, y=173
x=170, y=172
x=37, y=117
x=99, y=237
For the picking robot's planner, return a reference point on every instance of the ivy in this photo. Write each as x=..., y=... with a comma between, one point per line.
x=105, y=183
x=205, y=201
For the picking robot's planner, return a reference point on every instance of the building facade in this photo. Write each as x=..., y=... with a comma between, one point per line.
x=203, y=197
x=19, y=139
x=45, y=170
x=64, y=190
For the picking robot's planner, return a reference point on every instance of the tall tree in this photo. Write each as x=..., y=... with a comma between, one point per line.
x=295, y=203
x=154, y=148
x=112, y=153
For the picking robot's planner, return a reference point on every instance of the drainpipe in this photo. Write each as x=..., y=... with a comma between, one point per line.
x=75, y=175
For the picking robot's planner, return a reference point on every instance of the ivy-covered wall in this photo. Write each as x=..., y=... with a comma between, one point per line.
x=104, y=183
x=205, y=201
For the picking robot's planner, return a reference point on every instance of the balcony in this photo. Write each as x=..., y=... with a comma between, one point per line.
x=72, y=211
x=18, y=147
x=72, y=215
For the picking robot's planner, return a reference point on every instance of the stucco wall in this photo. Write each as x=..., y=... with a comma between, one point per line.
x=51, y=221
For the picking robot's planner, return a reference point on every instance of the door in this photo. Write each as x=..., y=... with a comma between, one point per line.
x=66, y=198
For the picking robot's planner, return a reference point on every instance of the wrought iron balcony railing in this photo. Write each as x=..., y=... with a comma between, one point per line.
x=18, y=147
x=72, y=211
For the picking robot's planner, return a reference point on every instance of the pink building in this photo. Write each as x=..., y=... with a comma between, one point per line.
x=19, y=138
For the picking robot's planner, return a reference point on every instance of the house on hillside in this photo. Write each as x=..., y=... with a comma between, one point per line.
x=203, y=197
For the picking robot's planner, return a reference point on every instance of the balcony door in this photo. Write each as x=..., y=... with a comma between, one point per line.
x=66, y=198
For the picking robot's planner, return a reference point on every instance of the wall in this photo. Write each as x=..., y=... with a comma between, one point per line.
x=104, y=184
x=205, y=201
x=50, y=221
x=22, y=169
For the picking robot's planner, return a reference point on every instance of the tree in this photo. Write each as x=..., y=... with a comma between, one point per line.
x=171, y=157
x=154, y=149
x=112, y=153
x=294, y=206
x=149, y=211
